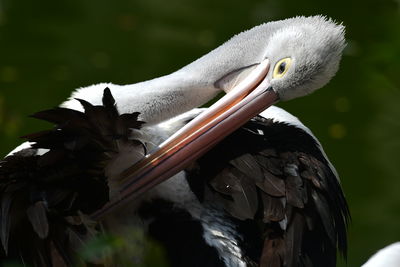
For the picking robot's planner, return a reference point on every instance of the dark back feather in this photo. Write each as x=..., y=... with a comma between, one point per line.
x=45, y=199
x=273, y=177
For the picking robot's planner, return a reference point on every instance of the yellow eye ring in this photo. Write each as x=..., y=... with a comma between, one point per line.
x=281, y=67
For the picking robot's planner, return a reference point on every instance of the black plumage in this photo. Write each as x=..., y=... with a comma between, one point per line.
x=179, y=234
x=273, y=177
x=46, y=199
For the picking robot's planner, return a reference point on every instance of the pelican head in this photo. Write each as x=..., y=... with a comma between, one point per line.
x=303, y=53
x=304, y=57
x=275, y=61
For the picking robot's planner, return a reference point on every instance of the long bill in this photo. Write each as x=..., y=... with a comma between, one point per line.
x=251, y=96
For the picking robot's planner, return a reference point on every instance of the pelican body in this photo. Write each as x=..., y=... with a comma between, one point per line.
x=225, y=186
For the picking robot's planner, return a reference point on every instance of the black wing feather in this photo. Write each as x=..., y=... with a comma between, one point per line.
x=272, y=185
x=6, y=201
x=37, y=215
x=58, y=115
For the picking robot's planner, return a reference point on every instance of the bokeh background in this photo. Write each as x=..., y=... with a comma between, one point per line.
x=48, y=48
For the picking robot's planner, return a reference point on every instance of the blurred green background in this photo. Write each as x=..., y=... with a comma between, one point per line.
x=48, y=48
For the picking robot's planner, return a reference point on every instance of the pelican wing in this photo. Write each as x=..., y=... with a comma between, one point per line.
x=277, y=186
x=46, y=197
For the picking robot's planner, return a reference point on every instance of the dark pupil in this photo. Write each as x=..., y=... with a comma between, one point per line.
x=282, y=67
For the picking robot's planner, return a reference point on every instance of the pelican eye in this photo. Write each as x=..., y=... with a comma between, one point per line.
x=281, y=67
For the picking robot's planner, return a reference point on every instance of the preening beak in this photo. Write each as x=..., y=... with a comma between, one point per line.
x=251, y=96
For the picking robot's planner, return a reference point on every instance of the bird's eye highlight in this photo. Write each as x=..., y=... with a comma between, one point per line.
x=281, y=67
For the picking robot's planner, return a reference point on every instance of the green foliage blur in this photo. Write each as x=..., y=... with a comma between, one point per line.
x=48, y=48
x=129, y=248
x=132, y=248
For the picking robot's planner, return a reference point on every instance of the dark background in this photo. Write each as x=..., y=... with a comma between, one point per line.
x=48, y=48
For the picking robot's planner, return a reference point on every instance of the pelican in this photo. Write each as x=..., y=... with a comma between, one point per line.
x=389, y=256
x=232, y=185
